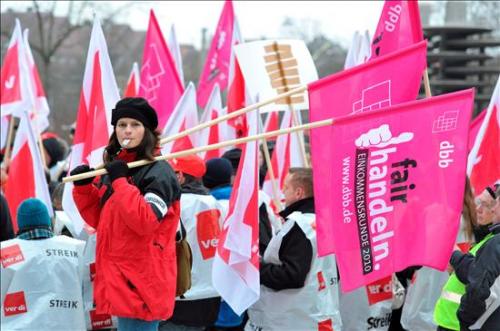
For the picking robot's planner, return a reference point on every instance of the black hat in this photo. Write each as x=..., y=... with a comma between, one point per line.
x=233, y=155
x=219, y=171
x=136, y=108
x=56, y=149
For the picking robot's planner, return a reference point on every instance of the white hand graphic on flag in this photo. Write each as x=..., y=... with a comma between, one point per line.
x=382, y=137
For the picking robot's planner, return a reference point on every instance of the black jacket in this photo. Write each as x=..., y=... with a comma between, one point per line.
x=295, y=253
x=6, y=231
x=482, y=272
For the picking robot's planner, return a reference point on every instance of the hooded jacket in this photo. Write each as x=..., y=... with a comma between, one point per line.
x=136, y=219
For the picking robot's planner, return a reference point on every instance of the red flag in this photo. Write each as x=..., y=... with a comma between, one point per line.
x=160, y=83
x=132, y=88
x=235, y=272
x=386, y=214
x=16, y=95
x=475, y=125
x=399, y=26
x=483, y=165
x=217, y=64
x=272, y=123
x=26, y=171
x=184, y=116
x=41, y=108
x=380, y=83
x=98, y=96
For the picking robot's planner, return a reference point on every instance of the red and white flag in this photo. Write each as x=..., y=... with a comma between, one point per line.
x=160, y=82
x=216, y=133
x=475, y=125
x=4, y=129
x=379, y=83
x=175, y=50
x=386, y=215
x=272, y=123
x=16, y=94
x=133, y=83
x=26, y=171
x=98, y=97
x=41, y=110
x=235, y=271
x=399, y=26
x=218, y=62
x=185, y=116
x=359, y=52
x=483, y=165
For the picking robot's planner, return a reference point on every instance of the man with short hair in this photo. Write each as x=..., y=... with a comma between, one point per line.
x=299, y=290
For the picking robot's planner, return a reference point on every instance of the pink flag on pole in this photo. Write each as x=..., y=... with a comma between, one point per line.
x=483, y=165
x=16, y=94
x=380, y=83
x=133, y=83
x=160, y=82
x=98, y=97
x=41, y=108
x=235, y=273
x=399, y=26
x=26, y=171
x=216, y=68
x=387, y=214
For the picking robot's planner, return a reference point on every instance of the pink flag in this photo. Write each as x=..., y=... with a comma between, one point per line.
x=235, y=273
x=387, y=214
x=132, y=88
x=26, y=171
x=483, y=165
x=216, y=133
x=399, y=26
x=160, y=83
x=40, y=105
x=16, y=94
x=184, y=116
x=380, y=83
x=98, y=97
x=216, y=68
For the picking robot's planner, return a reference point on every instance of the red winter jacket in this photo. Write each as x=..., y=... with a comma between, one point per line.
x=136, y=219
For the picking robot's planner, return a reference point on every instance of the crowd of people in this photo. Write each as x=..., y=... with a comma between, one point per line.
x=129, y=264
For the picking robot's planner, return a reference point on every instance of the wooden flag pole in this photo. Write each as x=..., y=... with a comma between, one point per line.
x=270, y=169
x=8, y=145
x=239, y=112
x=265, y=135
x=427, y=85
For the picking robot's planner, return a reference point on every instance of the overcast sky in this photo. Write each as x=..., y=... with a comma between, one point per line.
x=337, y=19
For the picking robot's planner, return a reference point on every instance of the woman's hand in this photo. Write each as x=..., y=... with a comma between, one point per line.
x=82, y=168
x=116, y=169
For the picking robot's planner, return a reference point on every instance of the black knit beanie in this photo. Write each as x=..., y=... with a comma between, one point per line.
x=219, y=171
x=233, y=155
x=136, y=108
x=56, y=149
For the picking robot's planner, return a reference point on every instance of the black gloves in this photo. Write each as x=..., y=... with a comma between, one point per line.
x=116, y=169
x=80, y=170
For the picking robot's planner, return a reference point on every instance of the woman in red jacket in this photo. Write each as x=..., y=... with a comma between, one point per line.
x=136, y=214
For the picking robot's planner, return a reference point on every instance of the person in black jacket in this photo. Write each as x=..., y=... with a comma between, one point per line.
x=480, y=305
x=6, y=230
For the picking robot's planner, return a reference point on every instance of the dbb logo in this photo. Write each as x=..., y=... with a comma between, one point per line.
x=11, y=255
x=445, y=151
x=380, y=290
x=14, y=304
x=207, y=229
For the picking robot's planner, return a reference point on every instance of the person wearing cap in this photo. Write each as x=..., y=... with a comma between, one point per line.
x=42, y=270
x=135, y=213
x=200, y=216
x=464, y=303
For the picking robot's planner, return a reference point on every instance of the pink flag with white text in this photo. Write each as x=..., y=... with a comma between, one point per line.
x=160, y=82
x=399, y=26
x=235, y=272
x=26, y=171
x=483, y=165
x=379, y=83
x=396, y=204
x=216, y=68
x=98, y=96
x=133, y=83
